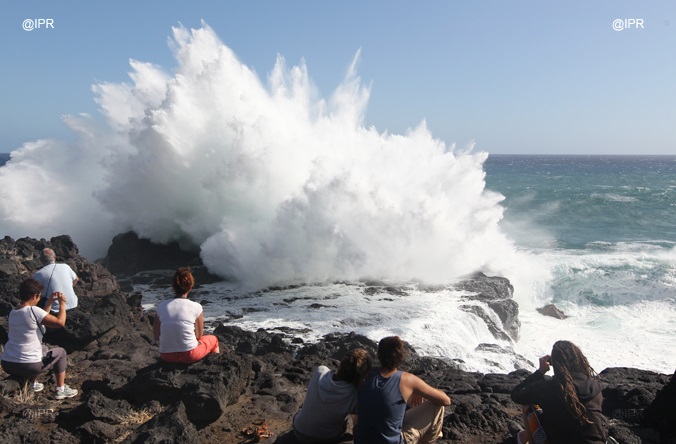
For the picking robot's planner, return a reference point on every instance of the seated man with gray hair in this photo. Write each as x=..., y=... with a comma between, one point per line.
x=56, y=278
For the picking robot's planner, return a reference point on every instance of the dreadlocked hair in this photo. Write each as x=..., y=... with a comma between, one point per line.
x=566, y=359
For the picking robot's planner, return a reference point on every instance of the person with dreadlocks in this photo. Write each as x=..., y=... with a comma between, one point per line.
x=570, y=402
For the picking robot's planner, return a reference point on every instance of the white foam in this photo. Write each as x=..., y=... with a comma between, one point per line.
x=271, y=181
x=435, y=325
x=640, y=335
x=431, y=321
x=612, y=197
x=608, y=275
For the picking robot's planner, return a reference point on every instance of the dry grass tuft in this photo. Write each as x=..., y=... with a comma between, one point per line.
x=135, y=418
x=25, y=395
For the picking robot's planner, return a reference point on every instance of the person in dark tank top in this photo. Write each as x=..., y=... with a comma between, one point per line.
x=396, y=407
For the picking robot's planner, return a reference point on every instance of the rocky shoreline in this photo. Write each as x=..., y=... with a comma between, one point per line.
x=126, y=395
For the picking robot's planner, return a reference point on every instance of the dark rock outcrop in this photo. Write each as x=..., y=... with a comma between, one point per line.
x=170, y=426
x=140, y=261
x=552, y=311
x=21, y=258
x=496, y=292
x=661, y=413
x=127, y=395
x=627, y=394
x=205, y=388
x=496, y=330
x=485, y=294
x=96, y=419
x=101, y=305
x=128, y=254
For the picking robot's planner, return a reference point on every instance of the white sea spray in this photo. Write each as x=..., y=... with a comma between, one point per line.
x=273, y=183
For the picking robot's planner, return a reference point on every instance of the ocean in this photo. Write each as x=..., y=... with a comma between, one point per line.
x=598, y=228
x=275, y=186
x=604, y=227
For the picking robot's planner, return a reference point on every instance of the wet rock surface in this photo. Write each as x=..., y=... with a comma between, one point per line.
x=553, y=311
x=130, y=255
x=127, y=395
x=497, y=293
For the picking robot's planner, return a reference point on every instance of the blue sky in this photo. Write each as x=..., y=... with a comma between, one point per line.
x=514, y=77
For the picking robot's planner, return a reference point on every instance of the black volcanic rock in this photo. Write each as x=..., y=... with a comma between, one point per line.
x=627, y=395
x=661, y=413
x=252, y=343
x=96, y=407
x=206, y=388
x=128, y=254
x=552, y=311
x=496, y=292
x=336, y=345
x=479, y=311
x=628, y=392
x=259, y=375
x=21, y=258
x=93, y=318
x=101, y=306
x=170, y=426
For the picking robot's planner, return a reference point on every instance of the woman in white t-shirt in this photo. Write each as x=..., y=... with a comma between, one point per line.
x=25, y=356
x=179, y=325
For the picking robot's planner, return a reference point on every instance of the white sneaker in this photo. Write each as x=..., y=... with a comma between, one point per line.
x=66, y=392
x=37, y=387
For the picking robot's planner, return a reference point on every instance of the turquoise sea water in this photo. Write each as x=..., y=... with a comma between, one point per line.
x=585, y=200
x=607, y=223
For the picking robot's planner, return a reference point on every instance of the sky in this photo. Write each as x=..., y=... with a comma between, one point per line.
x=512, y=77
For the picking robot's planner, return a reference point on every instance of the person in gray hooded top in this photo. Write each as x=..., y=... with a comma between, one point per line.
x=331, y=398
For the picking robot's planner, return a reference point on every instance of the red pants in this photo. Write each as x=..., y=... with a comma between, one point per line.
x=207, y=344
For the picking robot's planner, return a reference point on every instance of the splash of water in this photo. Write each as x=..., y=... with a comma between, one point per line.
x=271, y=181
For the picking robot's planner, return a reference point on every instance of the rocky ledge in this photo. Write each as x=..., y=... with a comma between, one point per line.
x=126, y=395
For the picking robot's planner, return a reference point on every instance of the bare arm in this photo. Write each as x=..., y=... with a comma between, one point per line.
x=199, y=326
x=415, y=389
x=48, y=305
x=355, y=419
x=50, y=320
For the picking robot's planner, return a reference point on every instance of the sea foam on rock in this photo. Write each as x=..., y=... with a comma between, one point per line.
x=498, y=293
x=258, y=375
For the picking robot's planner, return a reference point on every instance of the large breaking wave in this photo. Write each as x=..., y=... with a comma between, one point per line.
x=273, y=182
